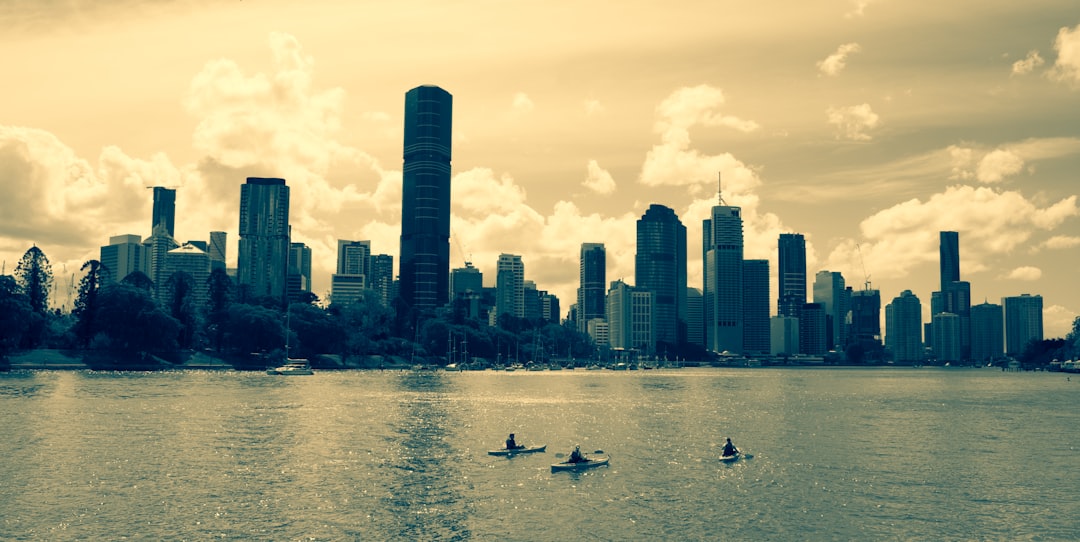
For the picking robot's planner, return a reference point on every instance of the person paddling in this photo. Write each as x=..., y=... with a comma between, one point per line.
x=576, y=456
x=511, y=444
x=729, y=448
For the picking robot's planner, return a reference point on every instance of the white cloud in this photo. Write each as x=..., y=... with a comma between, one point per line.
x=1058, y=321
x=593, y=107
x=1067, y=45
x=1026, y=273
x=853, y=121
x=1028, y=64
x=522, y=103
x=962, y=158
x=1059, y=242
x=998, y=164
x=902, y=237
x=834, y=63
x=598, y=179
x=858, y=8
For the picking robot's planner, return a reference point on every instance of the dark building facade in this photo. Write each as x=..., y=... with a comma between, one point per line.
x=424, y=273
x=660, y=267
x=263, y=249
x=791, y=260
x=164, y=209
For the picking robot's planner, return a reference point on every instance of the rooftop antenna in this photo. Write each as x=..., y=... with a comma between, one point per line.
x=720, y=187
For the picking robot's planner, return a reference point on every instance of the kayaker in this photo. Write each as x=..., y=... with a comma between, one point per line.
x=729, y=448
x=511, y=445
x=575, y=456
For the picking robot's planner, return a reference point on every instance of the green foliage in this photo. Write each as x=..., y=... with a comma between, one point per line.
x=130, y=321
x=253, y=328
x=34, y=275
x=15, y=314
x=1041, y=353
x=182, y=307
x=86, y=304
x=139, y=279
x=220, y=290
x=314, y=331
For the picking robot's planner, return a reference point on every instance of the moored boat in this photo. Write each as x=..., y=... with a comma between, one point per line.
x=292, y=367
x=515, y=451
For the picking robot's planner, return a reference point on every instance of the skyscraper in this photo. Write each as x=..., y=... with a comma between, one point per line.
x=722, y=244
x=510, y=286
x=263, y=249
x=158, y=246
x=865, y=317
x=425, y=199
x=1023, y=322
x=592, y=274
x=660, y=267
x=123, y=255
x=791, y=274
x=299, y=277
x=630, y=318
x=903, y=327
x=830, y=291
x=987, y=332
x=217, y=250
x=949, y=255
x=190, y=259
x=164, y=209
x=756, y=327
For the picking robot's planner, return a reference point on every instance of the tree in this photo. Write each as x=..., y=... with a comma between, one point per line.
x=181, y=305
x=15, y=314
x=139, y=279
x=130, y=321
x=86, y=304
x=219, y=288
x=252, y=328
x=34, y=275
x=366, y=324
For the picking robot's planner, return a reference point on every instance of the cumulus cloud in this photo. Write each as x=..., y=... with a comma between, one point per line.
x=961, y=159
x=1026, y=273
x=858, y=8
x=674, y=162
x=598, y=179
x=522, y=103
x=998, y=164
x=853, y=121
x=992, y=222
x=1059, y=242
x=835, y=63
x=1067, y=45
x=1058, y=321
x=1028, y=64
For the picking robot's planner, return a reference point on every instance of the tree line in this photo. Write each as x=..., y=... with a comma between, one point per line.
x=122, y=324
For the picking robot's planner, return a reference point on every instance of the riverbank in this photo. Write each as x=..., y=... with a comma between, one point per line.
x=50, y=359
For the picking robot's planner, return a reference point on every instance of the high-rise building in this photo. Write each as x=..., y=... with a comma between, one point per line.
x=164, y=209
x=592, y=277
x=123, y=255
x=660, y=267
x=353, y=257
x=299, y=277
x=865, y=316
x=784, y=334
x=217, y=251
x=158, y=246
x=695, y=312
x=949, y=256
x=756, y=327
x=549, y=310
x=791, y=272
x=195, y=263
x=263, y=249
x=425, y=205
x=812, y=332
x=1023, y=322
x=382, y=278
x=722, y=296
x=465, y=280
x=510, y=286
x=903, y=327
x=830, y=291
x=946, y=337
x=630, y=318
x=987, y=332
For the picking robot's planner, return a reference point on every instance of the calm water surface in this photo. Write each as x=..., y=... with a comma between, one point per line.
x=839, y=454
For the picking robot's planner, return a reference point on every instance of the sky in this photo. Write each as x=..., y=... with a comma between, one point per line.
x=868, y=126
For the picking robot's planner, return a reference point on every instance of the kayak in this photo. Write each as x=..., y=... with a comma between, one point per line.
x=731, y=458
x=580, y=465
x=515, y=451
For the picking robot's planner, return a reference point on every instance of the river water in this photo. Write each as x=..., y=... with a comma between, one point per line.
x=838, y=454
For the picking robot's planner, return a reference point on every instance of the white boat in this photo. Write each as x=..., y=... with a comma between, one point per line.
x=730, y=458
x=515, y=451
x=292, y=367
x=588, y=463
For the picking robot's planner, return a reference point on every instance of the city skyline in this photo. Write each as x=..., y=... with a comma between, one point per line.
x=866, y=126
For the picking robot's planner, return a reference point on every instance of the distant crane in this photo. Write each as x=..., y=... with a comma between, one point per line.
x=866, y=276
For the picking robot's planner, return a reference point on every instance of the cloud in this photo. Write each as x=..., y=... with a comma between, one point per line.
x=593, y=107
x=1067, y=65
x=1026, y=273
x=673, y=162
x=598, y=179
x=1058, y=321
x=834, y=63
x=997, y=165
x=522, y=103
x=1028, y=64
x=858, y=8
x=853, y=121
x=1059, y=242
x=992, y=223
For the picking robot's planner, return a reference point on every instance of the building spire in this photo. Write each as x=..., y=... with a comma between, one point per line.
x=720, y=187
